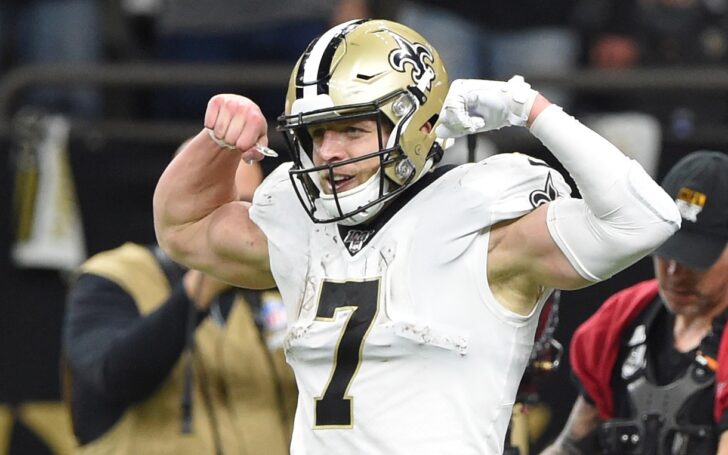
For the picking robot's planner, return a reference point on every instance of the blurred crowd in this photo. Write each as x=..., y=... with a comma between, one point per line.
x=554, y=40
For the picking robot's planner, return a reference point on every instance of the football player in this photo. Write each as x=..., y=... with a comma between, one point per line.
x=413, y=291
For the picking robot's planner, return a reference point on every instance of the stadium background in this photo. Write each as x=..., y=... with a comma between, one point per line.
x=115, y=160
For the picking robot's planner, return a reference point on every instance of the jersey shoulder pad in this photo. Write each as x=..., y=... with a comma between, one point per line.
x=276, y=208
x=276, y=182
x=135, y=269
x=515, y=184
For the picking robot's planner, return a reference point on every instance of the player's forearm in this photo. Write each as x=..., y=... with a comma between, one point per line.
x=626, y=214
x=198, y=181
x=595, y=164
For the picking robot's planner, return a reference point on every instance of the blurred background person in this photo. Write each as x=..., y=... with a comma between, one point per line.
x=652, y=362
x=479, y=40
x=232, y=31
x=160, y=359
x=531, y=413
x=643, y=35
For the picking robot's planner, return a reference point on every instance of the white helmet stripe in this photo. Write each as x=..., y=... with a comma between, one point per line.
x=311, y=65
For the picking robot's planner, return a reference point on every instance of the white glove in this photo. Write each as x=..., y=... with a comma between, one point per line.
x=474, y=106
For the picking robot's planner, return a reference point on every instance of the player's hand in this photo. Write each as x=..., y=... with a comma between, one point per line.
x=236, y=122
x=473, y=106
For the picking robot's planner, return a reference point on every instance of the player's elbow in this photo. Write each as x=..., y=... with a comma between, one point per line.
x=653, y=215
x=599, y=247
x=672, y=218
x=164, y=234
x=639, y=241
x=172, y=242
x=626, y=242
x=169, y=234
x=660, y=230
x=644, y=217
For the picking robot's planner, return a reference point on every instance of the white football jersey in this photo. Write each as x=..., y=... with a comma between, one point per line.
x=400, y=347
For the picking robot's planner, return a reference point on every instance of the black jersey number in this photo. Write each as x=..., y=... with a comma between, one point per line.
x=360, y=300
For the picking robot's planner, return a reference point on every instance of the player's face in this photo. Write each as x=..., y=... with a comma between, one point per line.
x=343, y=140
x=693, y=292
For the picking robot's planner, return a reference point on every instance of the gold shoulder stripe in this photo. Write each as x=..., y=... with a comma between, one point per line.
x=136, y=270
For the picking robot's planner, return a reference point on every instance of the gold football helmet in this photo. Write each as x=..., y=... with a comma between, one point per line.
x=365, y=69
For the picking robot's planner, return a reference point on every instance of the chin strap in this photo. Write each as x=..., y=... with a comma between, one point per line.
x=436, y=153
x=433, y=158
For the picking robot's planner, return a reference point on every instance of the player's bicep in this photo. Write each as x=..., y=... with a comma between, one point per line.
x=234, y=249
x=530, y=250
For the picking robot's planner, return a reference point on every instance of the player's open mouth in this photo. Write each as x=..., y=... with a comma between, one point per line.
x=341, y=182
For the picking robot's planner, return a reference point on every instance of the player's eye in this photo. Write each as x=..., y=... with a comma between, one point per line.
x=317, y=134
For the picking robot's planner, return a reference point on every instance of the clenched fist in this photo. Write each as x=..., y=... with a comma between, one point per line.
x=236, y=122
x=474, y=106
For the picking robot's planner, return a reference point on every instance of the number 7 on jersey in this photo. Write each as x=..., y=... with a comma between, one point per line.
x=360, y=299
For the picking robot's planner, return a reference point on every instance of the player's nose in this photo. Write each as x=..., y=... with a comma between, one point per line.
x=330, y=148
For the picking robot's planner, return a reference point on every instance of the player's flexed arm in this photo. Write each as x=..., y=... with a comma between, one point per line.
x=197, y=218
x=567, y=243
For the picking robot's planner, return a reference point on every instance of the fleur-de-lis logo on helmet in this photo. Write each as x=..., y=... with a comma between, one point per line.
x=418, y=56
